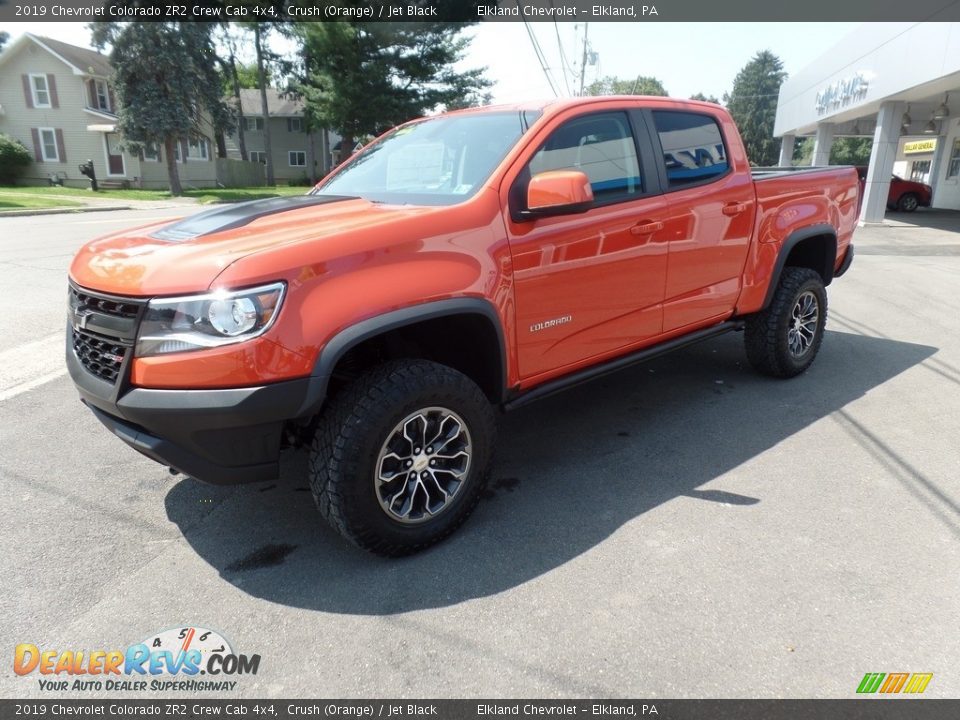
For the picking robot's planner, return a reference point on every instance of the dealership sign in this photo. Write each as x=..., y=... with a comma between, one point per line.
x=920, y=146
x=842, y=93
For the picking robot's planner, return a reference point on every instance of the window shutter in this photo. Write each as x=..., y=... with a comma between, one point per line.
x=27, y=95
x=289, y=124
x=61, y=150
x=52, y=90
x=112, y=99
x=35, y=134
x=184, y=149
x=92, y=92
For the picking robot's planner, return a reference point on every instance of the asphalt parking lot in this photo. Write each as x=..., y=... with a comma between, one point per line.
x=685, y=528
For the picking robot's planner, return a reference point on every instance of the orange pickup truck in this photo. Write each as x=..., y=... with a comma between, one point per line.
x=459, y=264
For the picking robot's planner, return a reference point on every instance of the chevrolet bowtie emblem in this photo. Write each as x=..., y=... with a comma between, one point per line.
x=81, y=316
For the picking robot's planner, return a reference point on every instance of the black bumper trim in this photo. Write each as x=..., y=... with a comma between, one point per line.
x=169, y=453
x=221, y=437
x=847, y=260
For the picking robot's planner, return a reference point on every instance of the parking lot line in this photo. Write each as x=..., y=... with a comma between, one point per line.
x=30, y=365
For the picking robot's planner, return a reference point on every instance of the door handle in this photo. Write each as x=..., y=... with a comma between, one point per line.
x=646, y=228
x=732, y=209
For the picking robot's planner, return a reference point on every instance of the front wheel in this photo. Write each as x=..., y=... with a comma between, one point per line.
x=783, y=340
x=400, y=458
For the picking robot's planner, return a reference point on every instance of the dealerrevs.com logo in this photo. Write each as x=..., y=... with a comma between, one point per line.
x=172, y=660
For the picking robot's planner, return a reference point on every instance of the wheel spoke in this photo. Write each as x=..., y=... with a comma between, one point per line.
x=804, y=319
x=422, y=465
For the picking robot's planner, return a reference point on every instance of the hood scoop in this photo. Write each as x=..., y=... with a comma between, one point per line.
x=234, y=216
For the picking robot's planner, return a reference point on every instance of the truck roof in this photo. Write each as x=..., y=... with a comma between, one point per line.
x=554, y=105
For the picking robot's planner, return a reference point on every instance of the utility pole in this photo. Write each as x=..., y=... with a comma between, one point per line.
x=583, y=63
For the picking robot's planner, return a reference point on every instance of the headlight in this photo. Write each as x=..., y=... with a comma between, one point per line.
x=195, y=322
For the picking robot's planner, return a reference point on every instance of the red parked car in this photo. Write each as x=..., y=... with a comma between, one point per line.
x=904, y=195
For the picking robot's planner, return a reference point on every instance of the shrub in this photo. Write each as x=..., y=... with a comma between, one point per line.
x=302, y=180
x=14, y=160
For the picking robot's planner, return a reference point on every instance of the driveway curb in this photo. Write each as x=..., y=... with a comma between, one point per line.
x=62, y=211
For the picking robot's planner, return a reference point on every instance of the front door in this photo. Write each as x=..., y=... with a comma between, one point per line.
x=115, y=164
x=589, y=284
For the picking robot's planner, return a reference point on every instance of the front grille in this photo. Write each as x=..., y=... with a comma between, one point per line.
x=119, y=307
x=99, y=356
x=103, y=330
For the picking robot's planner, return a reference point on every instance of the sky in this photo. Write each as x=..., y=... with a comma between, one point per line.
x=687, y=57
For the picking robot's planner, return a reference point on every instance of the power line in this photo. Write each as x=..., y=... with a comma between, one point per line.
x=583, y=64
x=564, y=65
x=539, y=53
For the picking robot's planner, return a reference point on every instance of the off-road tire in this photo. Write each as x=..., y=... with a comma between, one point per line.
x=352, y=432
x=908, y=202
x=767, y=333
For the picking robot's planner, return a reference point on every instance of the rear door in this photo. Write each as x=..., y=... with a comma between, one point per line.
x=589, y=284
x=712, y=205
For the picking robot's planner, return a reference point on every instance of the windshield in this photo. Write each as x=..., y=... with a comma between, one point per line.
x=440, y=161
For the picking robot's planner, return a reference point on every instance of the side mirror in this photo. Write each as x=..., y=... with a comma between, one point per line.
x=558, y=192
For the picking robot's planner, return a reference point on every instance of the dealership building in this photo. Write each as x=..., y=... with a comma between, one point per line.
x=898, y=83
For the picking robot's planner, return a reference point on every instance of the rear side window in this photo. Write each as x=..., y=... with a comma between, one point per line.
x=602, y=147
x=693, y=148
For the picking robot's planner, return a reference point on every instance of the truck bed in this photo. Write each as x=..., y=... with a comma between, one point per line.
x=765, y=173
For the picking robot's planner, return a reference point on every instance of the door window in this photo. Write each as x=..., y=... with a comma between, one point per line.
x=602, y=147
x=693, y=148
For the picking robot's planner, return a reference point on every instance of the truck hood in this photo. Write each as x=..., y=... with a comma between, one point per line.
x=187, y=255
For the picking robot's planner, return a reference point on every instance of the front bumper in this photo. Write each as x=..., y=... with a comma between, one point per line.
x=222, y=437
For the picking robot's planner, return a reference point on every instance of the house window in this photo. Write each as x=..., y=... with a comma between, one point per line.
x=48, y=145
x=197, y=149
x=103, y=96
x=151, y=152
x=953, y=169
x=41, y=93
x=253, y=123
x=294, y=124
x=298, y=158
x=258, y=156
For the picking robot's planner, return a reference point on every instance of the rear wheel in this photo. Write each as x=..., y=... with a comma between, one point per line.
x=908, y=202
x=401, y=456
x=783, y=340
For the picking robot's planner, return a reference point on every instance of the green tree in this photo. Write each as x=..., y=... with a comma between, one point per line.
x=851, y=151
x=753, y=104
x=641, y=85
x=802, y=151
x=362, y=78
x=4, y=36
x=247, y=76
x=263, y=55
x=14, y=160
x=165, y=76
x=704, y=98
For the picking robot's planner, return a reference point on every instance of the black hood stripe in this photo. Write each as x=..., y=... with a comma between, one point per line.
x=238, y=215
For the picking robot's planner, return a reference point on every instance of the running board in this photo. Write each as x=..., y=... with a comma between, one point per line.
x=591, y=373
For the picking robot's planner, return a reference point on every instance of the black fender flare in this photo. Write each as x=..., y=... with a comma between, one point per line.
x=349, y=337
x=794, y=239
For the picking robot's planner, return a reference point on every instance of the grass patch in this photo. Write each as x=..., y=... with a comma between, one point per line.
x=203, y=195
x=25, y=202
x=44, y=191
x=231, y=195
